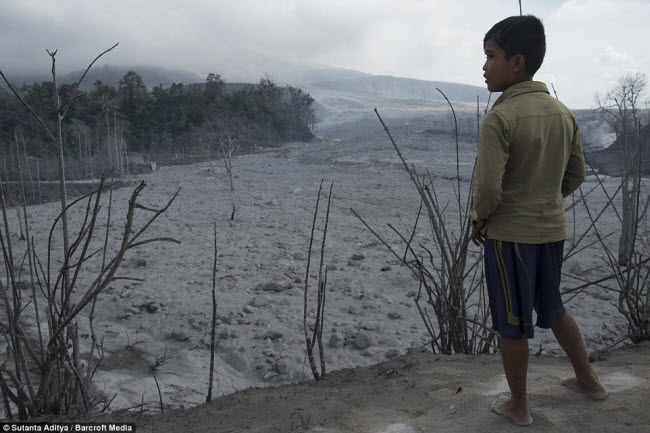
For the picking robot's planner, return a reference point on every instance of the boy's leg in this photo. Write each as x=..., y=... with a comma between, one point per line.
x=509, y=277
x=514, y=354
x=568, y=335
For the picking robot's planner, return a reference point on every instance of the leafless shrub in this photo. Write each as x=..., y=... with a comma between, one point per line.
x=213, y=328
x=317, y=333
x=153, y=368
x=447, y=284
x=49, y=373
x=631, y=281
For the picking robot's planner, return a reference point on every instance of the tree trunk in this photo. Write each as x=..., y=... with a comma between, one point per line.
x=38, y=180
x=29, y=171
x=108, y=139
x=62, y=187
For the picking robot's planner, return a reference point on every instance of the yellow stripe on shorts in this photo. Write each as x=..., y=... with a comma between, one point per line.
x=505, y=284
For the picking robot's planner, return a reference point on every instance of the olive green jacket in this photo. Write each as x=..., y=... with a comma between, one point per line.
x=529, y=159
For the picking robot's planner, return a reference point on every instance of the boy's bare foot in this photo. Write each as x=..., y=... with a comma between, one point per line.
x=593, y=390
x=503, y=406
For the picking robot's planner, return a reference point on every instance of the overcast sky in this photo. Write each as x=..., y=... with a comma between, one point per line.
x=590, y=43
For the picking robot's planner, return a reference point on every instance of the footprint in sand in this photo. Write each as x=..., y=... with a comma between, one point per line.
x=619, y=381
x=614, y=382
x=398, y=428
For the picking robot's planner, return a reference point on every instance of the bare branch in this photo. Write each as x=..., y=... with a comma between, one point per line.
x=26, y=105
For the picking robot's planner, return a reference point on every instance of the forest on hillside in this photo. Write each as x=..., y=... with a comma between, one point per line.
x=111, y=127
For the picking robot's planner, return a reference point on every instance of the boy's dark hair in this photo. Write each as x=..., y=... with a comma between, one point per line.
x=520, y=35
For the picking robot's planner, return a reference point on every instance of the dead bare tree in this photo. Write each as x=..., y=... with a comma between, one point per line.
x=227, y=132
x=620, y=108
x=60, y=110
x=317, y=332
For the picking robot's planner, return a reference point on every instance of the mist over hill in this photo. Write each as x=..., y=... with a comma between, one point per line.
x=151, y=75
x=385, y=86
x=111, y=75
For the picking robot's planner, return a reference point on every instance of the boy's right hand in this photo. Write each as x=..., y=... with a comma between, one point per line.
x=477, y=237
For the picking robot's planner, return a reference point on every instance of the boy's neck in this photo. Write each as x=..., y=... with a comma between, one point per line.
x=519, y=80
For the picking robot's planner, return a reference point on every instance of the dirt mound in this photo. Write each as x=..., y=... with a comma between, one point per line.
x=422, y=391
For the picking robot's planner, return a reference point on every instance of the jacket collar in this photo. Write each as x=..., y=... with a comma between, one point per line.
x=521, y=88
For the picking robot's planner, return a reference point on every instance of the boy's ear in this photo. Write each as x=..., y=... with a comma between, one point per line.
x=518, y=63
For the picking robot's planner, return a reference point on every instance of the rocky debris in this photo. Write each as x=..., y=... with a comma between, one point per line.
x=269, y=334
x=244, y=321
x=273, y=202
x=138, y=262
x=353, y=309
x=133, y=310
x=227, y=333
x=260, y=301
x=370, y=326
x=196, y=324
x=126, y=314
x=358, y=257
x=271, y=367
x=266, y=371
x=385, y=268
x=393, y=315
x=602, y=294
x=362, y=340
x=236, y=359
x=360, y=295
x=391, y=353
x=149, y=306
x=179, y=335
x=576, y=269
x=299, y=256
x=283, y=366
x=388, y=341
x=274, y=286
x=337, y=340
x=248, y=309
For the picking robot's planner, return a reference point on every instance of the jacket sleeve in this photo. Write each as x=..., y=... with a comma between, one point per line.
x=493, y=153
x=574, y=174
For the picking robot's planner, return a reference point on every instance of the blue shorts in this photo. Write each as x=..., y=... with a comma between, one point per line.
x=521, y=277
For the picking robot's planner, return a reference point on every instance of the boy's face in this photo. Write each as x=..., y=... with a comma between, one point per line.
x=500, y=73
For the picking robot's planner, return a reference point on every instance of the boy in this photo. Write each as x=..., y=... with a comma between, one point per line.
x=529, y=159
